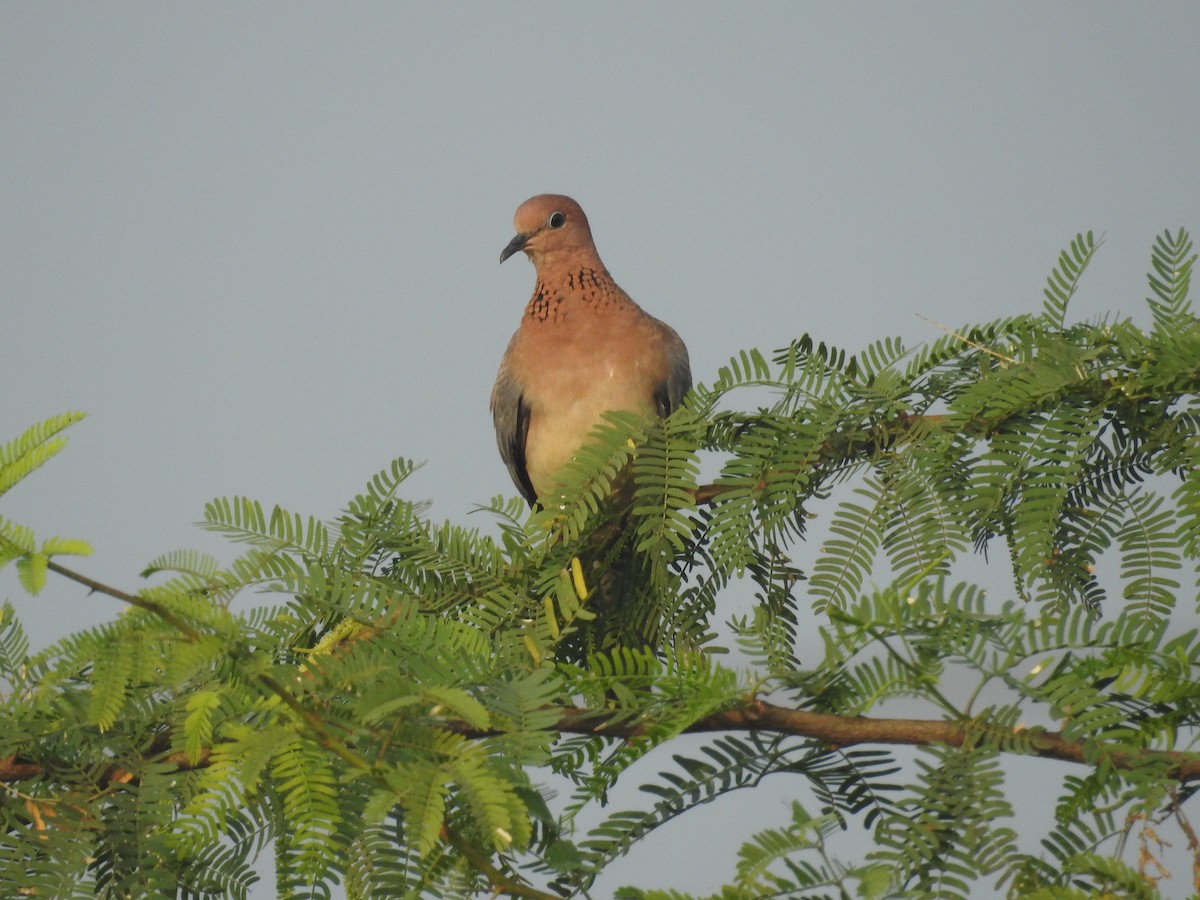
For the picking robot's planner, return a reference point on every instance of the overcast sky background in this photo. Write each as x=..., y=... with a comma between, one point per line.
x=258, y=244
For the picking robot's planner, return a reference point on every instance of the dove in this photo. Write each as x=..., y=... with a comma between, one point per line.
x=583, y=348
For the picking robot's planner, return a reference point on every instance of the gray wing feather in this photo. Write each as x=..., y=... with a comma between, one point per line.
x=510, y=414
x=669, y=393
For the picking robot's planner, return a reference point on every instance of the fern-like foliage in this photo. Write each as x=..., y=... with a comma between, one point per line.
x=18, y=458
x=416, y=708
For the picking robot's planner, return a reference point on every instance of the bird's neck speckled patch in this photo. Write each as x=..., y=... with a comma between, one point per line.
x=592, y=287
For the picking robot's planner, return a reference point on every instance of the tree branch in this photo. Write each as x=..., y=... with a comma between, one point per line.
x=846, y=731
x=757, y=715
x=97, y=587
x=842, y=446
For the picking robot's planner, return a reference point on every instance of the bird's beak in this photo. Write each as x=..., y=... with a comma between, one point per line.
x=516, y=244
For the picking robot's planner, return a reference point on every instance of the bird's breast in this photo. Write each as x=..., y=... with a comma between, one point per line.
x=582, y=373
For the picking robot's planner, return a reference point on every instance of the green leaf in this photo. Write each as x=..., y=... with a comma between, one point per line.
x=31, y=569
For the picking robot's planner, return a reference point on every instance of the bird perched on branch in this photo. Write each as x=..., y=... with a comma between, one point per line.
x=583, y=348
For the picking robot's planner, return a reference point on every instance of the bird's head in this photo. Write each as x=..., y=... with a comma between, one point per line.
x=550, y=228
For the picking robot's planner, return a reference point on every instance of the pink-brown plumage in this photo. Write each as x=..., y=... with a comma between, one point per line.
x=583, y=348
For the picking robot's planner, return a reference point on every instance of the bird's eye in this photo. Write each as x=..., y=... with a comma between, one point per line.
x=557, y=220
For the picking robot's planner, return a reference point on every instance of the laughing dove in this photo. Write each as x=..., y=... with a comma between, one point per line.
x=584, y=348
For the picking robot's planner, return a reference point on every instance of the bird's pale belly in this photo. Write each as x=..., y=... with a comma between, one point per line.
x=558, y=430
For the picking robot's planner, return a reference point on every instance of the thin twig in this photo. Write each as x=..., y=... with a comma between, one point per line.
x=1193, y=843
x=499, y=883
x=966, y=340
x=132, y=599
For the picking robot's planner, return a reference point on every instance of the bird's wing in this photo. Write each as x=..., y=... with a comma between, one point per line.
x=510, y=414
x=668, y=393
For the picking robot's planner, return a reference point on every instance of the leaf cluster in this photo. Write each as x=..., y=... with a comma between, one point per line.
x=417, y=708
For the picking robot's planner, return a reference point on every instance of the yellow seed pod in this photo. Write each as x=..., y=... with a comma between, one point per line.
x=581, y=588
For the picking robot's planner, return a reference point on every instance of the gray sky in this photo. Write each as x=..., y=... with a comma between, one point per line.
x=258, y=243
